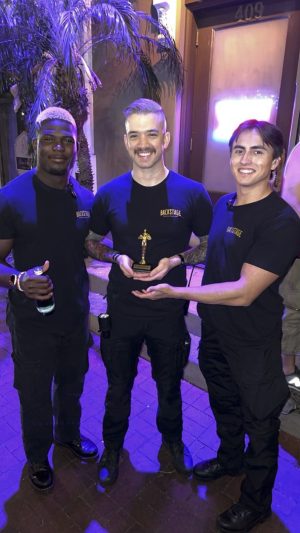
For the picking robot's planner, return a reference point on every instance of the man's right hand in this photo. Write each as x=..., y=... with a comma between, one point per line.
x=35, y=285
x=125, y=264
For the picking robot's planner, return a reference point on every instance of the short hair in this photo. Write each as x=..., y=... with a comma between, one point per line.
x=144, y=106
x=54, y=113
x=270, y=134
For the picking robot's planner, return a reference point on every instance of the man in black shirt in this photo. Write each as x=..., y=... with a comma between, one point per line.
x=151, y=213
x=44, y=219
x=255, y=237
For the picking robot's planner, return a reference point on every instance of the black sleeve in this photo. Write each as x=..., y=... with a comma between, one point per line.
x=277, y=245
x=99, y=223
x=202, y=212
x=7, y=228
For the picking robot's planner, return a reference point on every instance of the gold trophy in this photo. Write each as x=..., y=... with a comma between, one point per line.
x=142, y=266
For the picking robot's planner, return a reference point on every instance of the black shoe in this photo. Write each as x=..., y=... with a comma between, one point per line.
x=212, y=469
x=41, y=475
x=241, y=518
x=181, y=457
x=108, y=467
x=82, y=447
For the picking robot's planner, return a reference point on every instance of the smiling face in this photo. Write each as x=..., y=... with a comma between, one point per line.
x=56, y=147
x=252, y=161
x=146, y=139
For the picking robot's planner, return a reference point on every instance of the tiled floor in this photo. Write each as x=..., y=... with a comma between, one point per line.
x=148, y=496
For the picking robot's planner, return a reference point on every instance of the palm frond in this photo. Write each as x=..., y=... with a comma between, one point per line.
x=91, y=76
x=165, y=47
x=43, y=44
x=45, y=89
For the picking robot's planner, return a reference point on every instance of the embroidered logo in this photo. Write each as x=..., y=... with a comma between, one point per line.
x=170, y=213
x=83, y=214
x=236, y=231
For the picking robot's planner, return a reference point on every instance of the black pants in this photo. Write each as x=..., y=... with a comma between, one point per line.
x=247, y=391
x=42, y=359
x=167, y=342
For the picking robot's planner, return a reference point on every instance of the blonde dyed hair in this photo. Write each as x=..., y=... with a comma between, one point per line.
x=54, y=113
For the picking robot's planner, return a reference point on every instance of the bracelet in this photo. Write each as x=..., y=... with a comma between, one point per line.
x=19, y=280
x=115, y=257
x=12, y=282
x=181, y=257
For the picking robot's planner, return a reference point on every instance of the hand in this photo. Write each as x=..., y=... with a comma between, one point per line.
x=37, y=286
x=159, y=272
x=125, y=264
x=156, y=292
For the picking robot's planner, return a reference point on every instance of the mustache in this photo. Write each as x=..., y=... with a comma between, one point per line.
x=141, y=150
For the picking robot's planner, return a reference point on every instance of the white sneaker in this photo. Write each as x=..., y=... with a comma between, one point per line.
x=293, y=381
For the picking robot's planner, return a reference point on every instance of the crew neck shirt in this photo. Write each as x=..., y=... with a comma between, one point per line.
x=48, y=223
x=265, y=234
x=169, y=212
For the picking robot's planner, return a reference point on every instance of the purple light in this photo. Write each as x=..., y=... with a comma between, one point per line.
x=230, y=112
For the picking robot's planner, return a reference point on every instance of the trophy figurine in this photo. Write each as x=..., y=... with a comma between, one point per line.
x=142, y=266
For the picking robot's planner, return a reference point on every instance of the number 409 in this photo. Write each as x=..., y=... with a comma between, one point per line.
x=249, y=12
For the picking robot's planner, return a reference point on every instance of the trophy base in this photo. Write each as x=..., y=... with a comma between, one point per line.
x=137, y=267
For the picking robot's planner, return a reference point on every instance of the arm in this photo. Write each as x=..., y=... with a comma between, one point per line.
x=197, y=254
x=193, y=256
x=33, y=286
x=252, y=282
x=5, y=269
x=102, y=252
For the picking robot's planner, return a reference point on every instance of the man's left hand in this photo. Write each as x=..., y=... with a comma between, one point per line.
x=159, y=272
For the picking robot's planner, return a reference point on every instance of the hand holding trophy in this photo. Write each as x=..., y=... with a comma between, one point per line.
x=143, y=266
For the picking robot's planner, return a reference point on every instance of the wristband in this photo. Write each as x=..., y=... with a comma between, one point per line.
x=115, y=257
x=19, y=280
x=181, y=257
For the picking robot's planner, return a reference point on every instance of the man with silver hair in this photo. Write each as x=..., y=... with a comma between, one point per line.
x=44, y=219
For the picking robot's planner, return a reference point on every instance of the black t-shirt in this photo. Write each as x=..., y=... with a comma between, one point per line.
x=265, y=234
x=169, y=212
x=47, y=223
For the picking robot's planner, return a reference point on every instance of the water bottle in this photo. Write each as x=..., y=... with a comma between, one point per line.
x=44, y=306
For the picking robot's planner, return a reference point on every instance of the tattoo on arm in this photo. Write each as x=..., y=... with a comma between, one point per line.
x=197, y=254
x=97, y=249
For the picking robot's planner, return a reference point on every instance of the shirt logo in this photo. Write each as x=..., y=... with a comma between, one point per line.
x=236, y=231
x=170, y=213
x=83, y=214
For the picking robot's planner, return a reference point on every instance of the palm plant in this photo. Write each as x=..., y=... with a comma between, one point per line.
x=42, y=49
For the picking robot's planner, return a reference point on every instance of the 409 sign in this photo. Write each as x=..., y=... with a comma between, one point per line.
x=248, y=12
